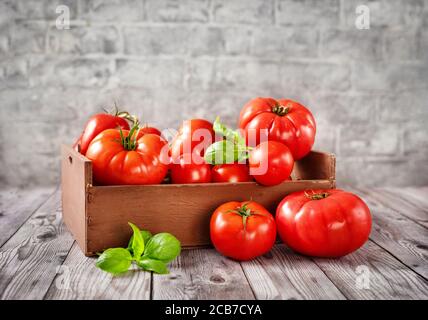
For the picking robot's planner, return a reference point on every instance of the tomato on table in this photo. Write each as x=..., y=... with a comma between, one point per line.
x=283, y=120
x=233, y=172
x=323, y=223
x=271, y=163
x=122, y=157
x=194, y=136
x=185, y=170
x=242, y=230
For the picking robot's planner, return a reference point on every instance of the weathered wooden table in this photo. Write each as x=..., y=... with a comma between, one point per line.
x=40, y=260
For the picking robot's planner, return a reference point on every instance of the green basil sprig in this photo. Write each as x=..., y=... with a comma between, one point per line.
x=229, y=150
x=150, y=253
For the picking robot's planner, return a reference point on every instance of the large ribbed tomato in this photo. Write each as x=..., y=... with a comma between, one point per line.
x=323, y=223
x=126, y=158
x=281, y=120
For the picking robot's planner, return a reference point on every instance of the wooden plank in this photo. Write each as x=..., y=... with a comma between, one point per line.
x=79, y=278
x=421, y=193
x=418, y=196
x=387, y=277
x=400, y=236
x=202, y=274
x=29, y=259
x=16, y=206
x=397, y=203
x=285, y=275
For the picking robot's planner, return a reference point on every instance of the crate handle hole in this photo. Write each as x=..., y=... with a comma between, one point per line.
x=70, y=159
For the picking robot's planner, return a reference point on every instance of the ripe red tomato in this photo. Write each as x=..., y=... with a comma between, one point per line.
x=150, y=142
x=323, y=223
x=271, y=163
x=194, y=136
x=242, y=230
x=117, y=160
x=233, y=172
x=150, y=130
x=284, y=120
x=186, y=171
x=97, y=124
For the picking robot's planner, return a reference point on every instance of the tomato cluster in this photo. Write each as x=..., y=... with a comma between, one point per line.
x=272, y=135
x=319, y=223
x=275, y=133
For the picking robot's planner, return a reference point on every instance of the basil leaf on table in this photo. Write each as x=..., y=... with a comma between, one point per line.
x=162, y=246
x=137, y=244
x=114, y=260
x=146, y=237
x=153, y=265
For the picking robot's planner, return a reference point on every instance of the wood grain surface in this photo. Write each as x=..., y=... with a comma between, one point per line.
x=40, y=260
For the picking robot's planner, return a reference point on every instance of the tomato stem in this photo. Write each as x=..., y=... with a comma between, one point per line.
x=317, y=196
x=123, y=114
x=245, y=213
x=280, y=110
x=130, y=141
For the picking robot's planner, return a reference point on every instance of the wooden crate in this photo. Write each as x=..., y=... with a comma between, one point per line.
x=98, y=216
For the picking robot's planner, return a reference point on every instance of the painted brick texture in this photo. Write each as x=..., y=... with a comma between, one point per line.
x=168, y=60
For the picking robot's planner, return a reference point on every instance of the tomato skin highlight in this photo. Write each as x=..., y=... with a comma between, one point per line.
x=234, y=172
x=95, y=125
x=183, y=142
x=112, y=164
x=185, y=171
x=284, y=120
x=277, y=159
x=329, y=227
x=231, y=239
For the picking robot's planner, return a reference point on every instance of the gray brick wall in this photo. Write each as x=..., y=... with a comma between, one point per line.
x=169, y=60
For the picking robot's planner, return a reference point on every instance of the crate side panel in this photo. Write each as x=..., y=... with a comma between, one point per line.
x=315, y=166
x=183, y=210
x=76, y=175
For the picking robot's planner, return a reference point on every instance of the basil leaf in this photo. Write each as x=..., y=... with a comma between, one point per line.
x=146, y=237
x=153, y=265
x=114, y=260
x=163, y=246
x=229, y=134
x=225, y=151
x=137, y=244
